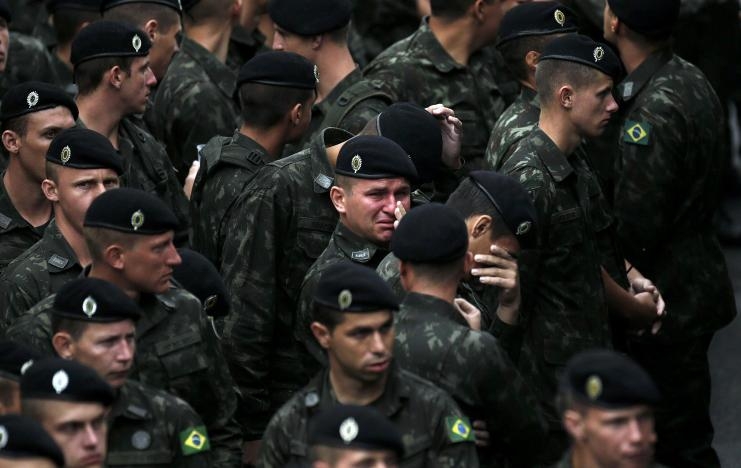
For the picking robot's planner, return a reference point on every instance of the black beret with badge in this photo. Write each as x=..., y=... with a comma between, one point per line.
x=52, y=6
x=81, y=148
x=197, y=275
x=374, y=157
x=431, y=233
x=105, y=38
x=34, y=96
x=581, y=49
x=15, y=359
x=94, y=300
x=607, y=379
x=536, y=19
x=310, y=17
x=66, y=380
x=22, y=437
x=130, y=211
x=106, y=5
x=5, y=11
x=512, y=202
x=279, y=69
x=354, y=427
x=654, y=18
x=349, y=287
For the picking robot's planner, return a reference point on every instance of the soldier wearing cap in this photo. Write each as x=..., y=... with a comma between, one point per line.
x=80, y=165
x=197, y=275
x=350, y=435
x=72, y=403
x=32, y=114
x=94, y=323
x=669, y=160
x=524, y=31
x=25, y=444
x=15, y=358
x=606, y=403
x=275, y=91
x=194, y=101
x=111, y=65
x=353, y=322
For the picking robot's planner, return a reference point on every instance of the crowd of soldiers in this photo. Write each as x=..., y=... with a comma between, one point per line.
x=416, y=233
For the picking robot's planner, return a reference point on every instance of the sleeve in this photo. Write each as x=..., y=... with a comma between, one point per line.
x=275, y=450
x=191, y=440
x=361, y=113
x=454, y=442
x=15, y=300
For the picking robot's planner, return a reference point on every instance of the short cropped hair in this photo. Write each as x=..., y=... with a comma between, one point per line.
x=75, y=328
x=17, y=125
x=89, y=74
x=439, y=273
x=99, y=239
x=139, y=13
x=514, y=53
x=552, y=74
x=206, y=11
x=468, y=200
x=452, y=9
x=330, y=318
x=67, y=21
x=264, y=106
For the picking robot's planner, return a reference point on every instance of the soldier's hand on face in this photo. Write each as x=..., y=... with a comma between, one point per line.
x=452, y=129
x=500, y=269
x=469, y=312
x=399, y=213
x=482, y=434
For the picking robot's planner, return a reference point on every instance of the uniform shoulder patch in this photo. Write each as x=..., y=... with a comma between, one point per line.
x=459, y=429
x=194, y=440
x=637, y=133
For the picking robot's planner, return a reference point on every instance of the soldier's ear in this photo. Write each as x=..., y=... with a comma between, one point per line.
x=337, y=195
x=151, y=27
x=11, y=141
x=114, y=257
x=63, y=344
x=296, y=113
x=321, y=333
x=49, y=187
x=573, y=422
x=480, y=226
x=531, y=60
x=566, y=96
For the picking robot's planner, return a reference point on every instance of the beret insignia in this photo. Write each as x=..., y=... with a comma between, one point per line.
x=349, y=430
x=60, y=381
x=593, y=387
x=26, y=365
x=136, y=42
x=66, y=154
x=598, y=53
x=344, y=300
x=356, y=163
x=32, y=99
x=137, y=219
x=89, y=306
x=210, y=302
x=316, y=73
x=3, y=437
x=559, y=17
x=524, y=228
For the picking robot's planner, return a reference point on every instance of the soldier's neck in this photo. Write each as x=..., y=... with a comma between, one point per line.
x=457, y=37
x=26, y=195
x=212, y=37
x=272, y=139
x=96, y=114
x=334, y=65
x=101, y=270
x=632, y=54
x=74, y=237
x=351, y=391
x=560, y=130
x=582, y=459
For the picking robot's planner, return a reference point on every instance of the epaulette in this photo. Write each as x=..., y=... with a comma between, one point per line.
x=357, y=93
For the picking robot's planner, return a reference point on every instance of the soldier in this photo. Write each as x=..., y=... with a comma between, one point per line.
x=80, y=165
x=318, y=31
x=353, y=322
x=25, y=444
x=276, y=91
x=93, y=323
x=669, y=162
x=194, y=102
x=606, y=402
x=14, y=360
x=246, y=40
x=197, y=275
x=112, y=73
x=71, y=402
x=129, y=234
x=32, y=114
x=434, y=341
x=524, y=31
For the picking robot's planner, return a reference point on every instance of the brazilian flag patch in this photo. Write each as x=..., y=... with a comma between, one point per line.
x=636, y=133
x=459, y=429
x=194, y=440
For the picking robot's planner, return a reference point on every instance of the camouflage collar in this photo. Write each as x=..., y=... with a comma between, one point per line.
x=634, y=83
x=433, y=309
x=131, y=403
x=59, y=255
x=435, y=52
x=221, y=75
x=251, y=146
x=356, y=248
x=322, y=173
x=9, y=217
x=554, y=160
x=530, y=96
x=323, y=107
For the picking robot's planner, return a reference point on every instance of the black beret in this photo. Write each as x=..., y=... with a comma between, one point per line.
x=607, y=379
x=197, y=275
x=655, y=18
x=94, y=300
x=581, y=49
x=64, y=379
x=109, y=39
x=52, y=6
x=512, y=202
x=188, y=4
x=15, y=359
x=22, y=437
x=106, y=5
x=279, y=69
x=374, y=157
x=354, y=427
x=131, y=211
x=34, y=96
x=430, y=233
x=350, y=287
x=310, y=17
x=418, y=133
x=81, y=148
x=536, y=19
x=5, y=11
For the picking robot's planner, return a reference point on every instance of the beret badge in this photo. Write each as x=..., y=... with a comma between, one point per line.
x=316, y=74
x=356, y=163
x=344, y=300
x=136, y=42
x=137, y=220
x=89, y=306
x=598, y=53
x=593, y=387
x=560, y=18
x=32, y=99
x=60, y=381
x=66, y=154
x=524, y=228
x=349, y=430
x=3, y=437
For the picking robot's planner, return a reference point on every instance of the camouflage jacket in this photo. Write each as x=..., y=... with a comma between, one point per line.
x=40, y=271
x=193, y=104
x=512, y=126
x=565, y=462
x=434, y=342
x=27, y=60
x=282, y=223
x=228, y=164
x=151, y=428
x=243, y=45
x=16, y=234
x=669, y=164
x=434, y=430
x=177, y=351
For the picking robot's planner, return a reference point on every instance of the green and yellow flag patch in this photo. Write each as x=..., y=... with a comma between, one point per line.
x=636, y=133
x=194, y=440
x=459, y=429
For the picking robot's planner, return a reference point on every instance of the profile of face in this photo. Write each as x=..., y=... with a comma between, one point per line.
x=593, y=106
x=356, y=458
x=164, y=47
x=481, y=238
x=75, y=189
x=4, y=44
x=609, y=24
x=148, y=265
x=290, y=42
x=79, y=429
x=137, y=84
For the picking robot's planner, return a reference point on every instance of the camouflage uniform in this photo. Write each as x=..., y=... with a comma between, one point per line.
x=177, y=351
x=27, y=14
x=16, y=234
x=379, y=24
x=243, y=45
x=667, y=192
x=146, y=427
x=228, y=164
x=565, y=462
x=282, y=223
x=422, y=413
x=28, y=60
x=193, y=104
x=512, y=126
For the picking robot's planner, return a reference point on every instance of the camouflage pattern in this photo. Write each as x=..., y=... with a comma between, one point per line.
x=282, y=223
x=28, y=60
x=27, y=14
x=40, y=271
x=517, y=121
x=16, y=234
x=228, y=164
x=381, y=23
x=243, y=45
x=434, y=342
x=145, y=426
x=193, y=103
x=177, y=351
x=421, y=411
